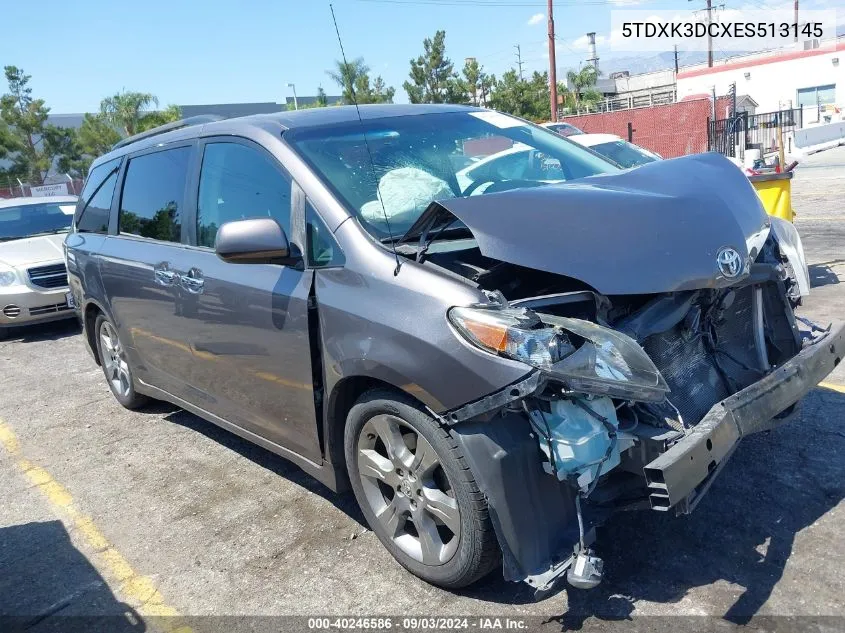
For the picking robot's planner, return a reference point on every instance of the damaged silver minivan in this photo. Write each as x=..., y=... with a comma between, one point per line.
x=497, y=338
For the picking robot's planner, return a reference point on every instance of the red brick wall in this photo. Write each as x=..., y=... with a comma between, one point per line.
x=671, y=130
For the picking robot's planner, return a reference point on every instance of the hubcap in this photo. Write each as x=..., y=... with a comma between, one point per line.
x=408, y=490
x=114, y=361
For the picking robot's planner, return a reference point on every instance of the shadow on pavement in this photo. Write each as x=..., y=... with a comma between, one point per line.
x=46, y=584
x=743, y=532
x=823, y=274
x=345, y=502
x=52, y=331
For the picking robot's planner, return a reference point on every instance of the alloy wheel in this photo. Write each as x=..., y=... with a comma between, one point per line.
x=114, y=361
x=408, y=490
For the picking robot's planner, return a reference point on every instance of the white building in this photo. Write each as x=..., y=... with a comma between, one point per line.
x=811, y=79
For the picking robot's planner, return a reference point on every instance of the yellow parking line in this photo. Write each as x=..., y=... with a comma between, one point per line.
x=138, y=589
x=832, y=386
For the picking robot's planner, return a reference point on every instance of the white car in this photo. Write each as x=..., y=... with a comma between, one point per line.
x=617, y=150
x=33, y=277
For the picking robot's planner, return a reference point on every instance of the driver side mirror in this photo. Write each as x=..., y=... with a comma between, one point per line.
x=255, y=241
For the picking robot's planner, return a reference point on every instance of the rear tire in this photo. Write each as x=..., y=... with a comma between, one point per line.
x=115, y=364
x=417, y=492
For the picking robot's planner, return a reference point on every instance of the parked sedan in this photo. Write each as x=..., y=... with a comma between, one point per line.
x=33, y=279
x=494, y=364
x=617, y=150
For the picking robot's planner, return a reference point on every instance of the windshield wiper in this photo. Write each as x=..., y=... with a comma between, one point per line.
x=52, y=232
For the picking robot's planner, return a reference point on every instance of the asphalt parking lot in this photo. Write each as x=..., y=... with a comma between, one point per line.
x=158, y=512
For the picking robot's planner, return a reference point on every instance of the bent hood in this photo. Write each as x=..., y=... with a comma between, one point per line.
x=656, y=228
x=32, y=250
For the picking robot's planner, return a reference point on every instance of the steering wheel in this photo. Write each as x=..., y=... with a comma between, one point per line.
x=475, y=185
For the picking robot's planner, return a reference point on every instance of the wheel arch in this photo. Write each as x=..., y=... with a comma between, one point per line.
x=342, y=397
x=90, y=311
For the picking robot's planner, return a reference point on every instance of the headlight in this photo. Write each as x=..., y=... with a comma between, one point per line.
x=586, y=357
x=514, y=333
x=790, y=246
x=7, y=276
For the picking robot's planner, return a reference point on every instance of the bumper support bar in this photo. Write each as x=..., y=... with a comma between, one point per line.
x=683, y=474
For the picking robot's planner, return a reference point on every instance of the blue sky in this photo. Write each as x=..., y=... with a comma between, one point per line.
x=223, y=51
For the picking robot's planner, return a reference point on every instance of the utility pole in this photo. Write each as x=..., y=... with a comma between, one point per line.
x=519, y=59
x=553, y=63
x=709, y=37
x=796, y=21
x=676, y=59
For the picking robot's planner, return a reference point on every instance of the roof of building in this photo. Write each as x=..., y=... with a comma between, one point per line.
x=759, y=59
x=231, y=110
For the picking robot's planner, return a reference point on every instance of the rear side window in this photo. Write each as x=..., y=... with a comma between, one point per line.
x=95, y=201
x=239, y=182
x=154, y=195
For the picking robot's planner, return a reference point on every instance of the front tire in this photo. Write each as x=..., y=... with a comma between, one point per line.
x=417, y=492
x=116, y=365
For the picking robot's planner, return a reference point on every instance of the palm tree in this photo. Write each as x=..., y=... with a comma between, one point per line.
x=351, y=76
x=125, y=110
x=582, y=81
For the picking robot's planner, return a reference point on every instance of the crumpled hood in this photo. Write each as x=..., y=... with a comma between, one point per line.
x=656, y=228
x=32, y=250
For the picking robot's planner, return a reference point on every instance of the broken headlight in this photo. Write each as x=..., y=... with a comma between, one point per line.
x=514, y=333
x=586, y=357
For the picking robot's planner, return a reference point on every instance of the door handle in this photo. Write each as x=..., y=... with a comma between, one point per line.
x=192, y=281
x=164, y=276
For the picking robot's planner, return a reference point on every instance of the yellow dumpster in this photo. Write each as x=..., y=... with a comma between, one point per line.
x=775, y=192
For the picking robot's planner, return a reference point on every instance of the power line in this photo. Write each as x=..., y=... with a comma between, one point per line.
x=495, y=3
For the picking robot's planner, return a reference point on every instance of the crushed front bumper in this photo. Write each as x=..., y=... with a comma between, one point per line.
x=679, y=477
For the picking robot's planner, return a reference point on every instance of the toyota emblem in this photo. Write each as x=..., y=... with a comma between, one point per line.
x=730, y=262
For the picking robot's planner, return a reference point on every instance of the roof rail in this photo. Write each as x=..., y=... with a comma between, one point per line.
x=168, y=127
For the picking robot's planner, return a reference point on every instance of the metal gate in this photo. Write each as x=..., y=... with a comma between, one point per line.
x=751, y=131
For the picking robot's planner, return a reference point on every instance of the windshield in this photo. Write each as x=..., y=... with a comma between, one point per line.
x=625, y=154
x=35, y=219
x=564, y=129
x=421, y=158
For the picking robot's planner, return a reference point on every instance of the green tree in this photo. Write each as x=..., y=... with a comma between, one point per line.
x=322, y=100
x=354, y=79
x=582, y=84
x=433, y=76
x=134, y=112
x=159, y=117
x=26, y=139
x=528, y=99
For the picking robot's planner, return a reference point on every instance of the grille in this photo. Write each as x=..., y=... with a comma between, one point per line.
x=12, y=311
x=58, y=307
x=52, y=276
x=691, y=370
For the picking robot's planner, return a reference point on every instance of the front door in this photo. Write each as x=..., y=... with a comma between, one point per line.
x=249, y=332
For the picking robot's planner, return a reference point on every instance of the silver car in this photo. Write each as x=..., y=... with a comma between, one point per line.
x=33, y=278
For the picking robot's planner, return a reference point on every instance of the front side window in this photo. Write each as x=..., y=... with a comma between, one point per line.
x=409, y=161
x=322, y=248
x=239, y=182
x=95, y=202
x=154, y=195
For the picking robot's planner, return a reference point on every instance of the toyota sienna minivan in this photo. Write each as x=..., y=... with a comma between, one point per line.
x=495, y=359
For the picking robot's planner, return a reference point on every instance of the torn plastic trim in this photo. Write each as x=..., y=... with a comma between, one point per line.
x=529, y=385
